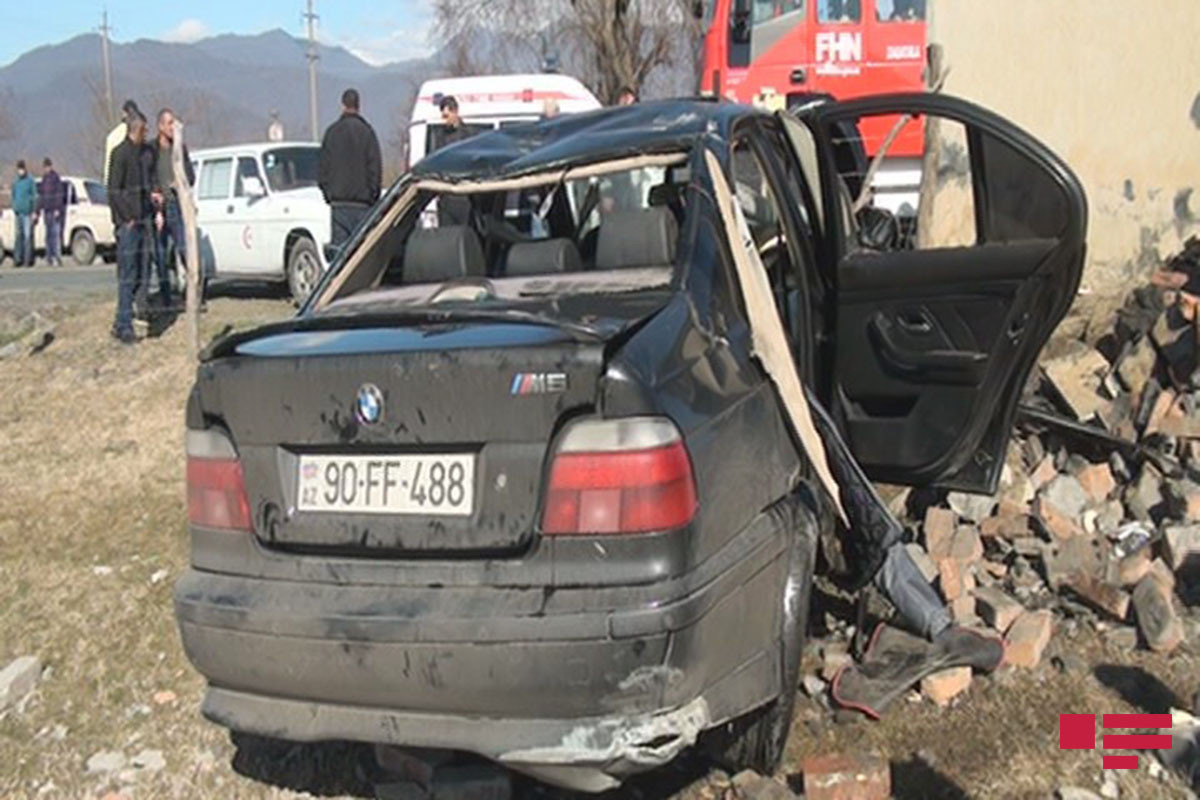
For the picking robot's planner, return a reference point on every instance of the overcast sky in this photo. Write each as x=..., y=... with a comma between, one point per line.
x=378, y=32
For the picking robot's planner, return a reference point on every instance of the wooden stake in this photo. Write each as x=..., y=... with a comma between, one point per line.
x=187, y=207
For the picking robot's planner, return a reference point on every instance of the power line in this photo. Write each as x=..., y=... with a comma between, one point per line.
x=314, y=56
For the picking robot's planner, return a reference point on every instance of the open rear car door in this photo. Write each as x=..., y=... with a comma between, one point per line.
x=940, y=302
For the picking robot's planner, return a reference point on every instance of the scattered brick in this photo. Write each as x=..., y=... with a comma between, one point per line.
x=1108, y=598
x=749, y=785
x=1027, y=638
x=1097, y=480
x=996, y=608
x=966, y=546
x=939, y=531
x=942, y=687
x=1056, y=523
x=1133, y=567
x=1156, y=617
x=1182, y=546
x=952, y=578
x=847, y=776
x=1044, y=472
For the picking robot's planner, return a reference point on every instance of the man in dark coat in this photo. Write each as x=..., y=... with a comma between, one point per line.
x=351, y=169
x=130, y=183
x=52, y=205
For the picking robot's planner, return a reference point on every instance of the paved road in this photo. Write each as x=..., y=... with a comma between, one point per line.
x=99, y=277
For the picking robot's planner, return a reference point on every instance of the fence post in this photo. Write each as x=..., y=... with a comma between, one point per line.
x=187, y=207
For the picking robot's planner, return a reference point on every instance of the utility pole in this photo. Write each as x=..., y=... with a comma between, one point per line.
x=313, y=56
x=108, y=94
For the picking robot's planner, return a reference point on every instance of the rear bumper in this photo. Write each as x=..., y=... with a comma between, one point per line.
x=582, y=696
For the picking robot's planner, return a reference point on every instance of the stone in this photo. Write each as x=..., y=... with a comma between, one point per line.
x=165, y=697
x=19, y=679
x=1160, y=626
x=472, y=782
x=1138, y=364
x=942, y=687
x=1144, y=496
x=749, y=785
x=1122, y=637
x=922, y=561
x=1097, y=481
x=31, y=335
x=1057, y=524
x=1182, y=546
x=940, y=524
x=833, y=662
x=1075, y=793
x=847, y=776
x=1067, y=495
x=1110, y=789
x=106, y=761
x=971, y=507
x=149, y=761
x=1027, y=638
x=1133, y=567
x=1162, y=572
x=813, y=685
x=1159, y=408
x=1182, y=500
x=997, y=608
x=1102, y=595
x=962, y=610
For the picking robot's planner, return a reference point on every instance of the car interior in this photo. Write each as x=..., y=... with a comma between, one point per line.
x=626, y=220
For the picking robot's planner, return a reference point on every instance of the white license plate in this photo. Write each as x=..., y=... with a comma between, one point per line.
x=386, y=484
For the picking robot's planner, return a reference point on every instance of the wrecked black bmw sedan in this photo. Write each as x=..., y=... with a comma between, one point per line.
x=534, y=472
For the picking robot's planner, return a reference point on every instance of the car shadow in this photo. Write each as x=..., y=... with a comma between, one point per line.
x=246, y=290
x=333, y=769
x=321, y=769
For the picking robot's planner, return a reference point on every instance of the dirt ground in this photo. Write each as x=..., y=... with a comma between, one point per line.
x=92, y=537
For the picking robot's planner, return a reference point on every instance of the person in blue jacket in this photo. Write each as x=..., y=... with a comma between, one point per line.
x=24, y=204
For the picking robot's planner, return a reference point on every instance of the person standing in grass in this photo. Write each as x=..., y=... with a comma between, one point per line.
x=52, y=206
x=129, y=199
x=24, y=204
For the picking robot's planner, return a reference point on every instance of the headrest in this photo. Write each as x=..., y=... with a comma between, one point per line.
x=443, y=254
x=542, y=258
x=642, y=238
x=665, y=194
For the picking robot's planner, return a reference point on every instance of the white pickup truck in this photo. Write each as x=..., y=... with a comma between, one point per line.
x=87, y=229
x=261, y=215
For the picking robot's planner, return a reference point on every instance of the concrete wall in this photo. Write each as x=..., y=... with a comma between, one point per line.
x=1113, y=86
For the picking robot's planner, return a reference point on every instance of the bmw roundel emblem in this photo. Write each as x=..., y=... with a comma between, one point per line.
x=369, y=405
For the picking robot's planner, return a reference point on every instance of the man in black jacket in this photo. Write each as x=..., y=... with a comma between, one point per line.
x=350, y=169
x=130, y=180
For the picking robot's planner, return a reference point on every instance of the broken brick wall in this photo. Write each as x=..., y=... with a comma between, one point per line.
x=1111, y=86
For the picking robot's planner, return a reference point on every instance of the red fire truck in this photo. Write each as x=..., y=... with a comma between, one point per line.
x=786, y=51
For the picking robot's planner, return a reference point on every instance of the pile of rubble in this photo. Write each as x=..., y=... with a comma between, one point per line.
x=1098, y=513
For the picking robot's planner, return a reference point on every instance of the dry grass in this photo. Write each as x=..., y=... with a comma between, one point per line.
x=91, y=510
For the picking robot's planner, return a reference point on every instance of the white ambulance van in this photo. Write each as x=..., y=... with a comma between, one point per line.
x=487, y=102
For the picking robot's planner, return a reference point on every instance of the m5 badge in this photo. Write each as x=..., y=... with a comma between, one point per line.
x=524, y=383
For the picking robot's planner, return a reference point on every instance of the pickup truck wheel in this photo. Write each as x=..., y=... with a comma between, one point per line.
x=758, y=739
x=303, y=269
x=83, y=247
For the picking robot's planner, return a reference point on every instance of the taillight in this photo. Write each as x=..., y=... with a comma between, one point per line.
x=629, y=475
x=215, y=485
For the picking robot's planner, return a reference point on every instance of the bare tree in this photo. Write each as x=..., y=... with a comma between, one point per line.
x=608, y=44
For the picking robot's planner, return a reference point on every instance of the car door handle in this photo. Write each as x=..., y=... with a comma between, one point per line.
x=228, y=209
x=917, y=322
x=959, y=367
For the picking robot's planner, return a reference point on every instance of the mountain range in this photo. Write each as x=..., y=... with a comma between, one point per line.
x=223, y=87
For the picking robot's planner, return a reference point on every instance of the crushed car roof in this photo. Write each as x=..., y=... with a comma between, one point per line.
x=652, y=127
